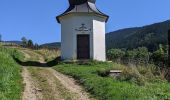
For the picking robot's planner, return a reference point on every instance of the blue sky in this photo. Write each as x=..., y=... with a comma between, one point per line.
x=35, y=19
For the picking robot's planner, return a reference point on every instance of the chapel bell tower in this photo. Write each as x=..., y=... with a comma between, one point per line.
x=83, y=31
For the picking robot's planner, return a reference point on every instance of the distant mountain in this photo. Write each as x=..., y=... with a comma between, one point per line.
x=52, y=45
x=48, y=45
x=15, y=42
x=149, y=36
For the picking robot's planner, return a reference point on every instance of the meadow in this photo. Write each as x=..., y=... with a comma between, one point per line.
x=48, y=54
x=10, y=75
x=135, y=83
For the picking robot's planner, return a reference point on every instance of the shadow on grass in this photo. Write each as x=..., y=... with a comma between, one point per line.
x=38, y=64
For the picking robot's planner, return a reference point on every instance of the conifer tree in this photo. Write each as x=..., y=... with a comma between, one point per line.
x=24, y=41
x=0, y=38
x=168, y=67
x=168, y=48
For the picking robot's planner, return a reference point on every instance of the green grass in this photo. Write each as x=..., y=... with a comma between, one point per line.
x=10, y=78
x=126, y=87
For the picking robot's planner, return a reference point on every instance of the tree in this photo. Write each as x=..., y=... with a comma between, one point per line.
x=137, y=56
x=0, y=38
x=36, y=46
x=24, y=41
x=160, y=57
x=142, y=53
x=168, y=67
x=130, y=56
x=115, y=54
x=30, y=43
x=169, y=48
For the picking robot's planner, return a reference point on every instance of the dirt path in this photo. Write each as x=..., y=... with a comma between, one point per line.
x=30, y=88
x=28, y=92
x=31, y=91
x=71, y=85
x=43, y=83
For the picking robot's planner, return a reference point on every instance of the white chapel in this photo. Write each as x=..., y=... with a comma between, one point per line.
x=83, y=31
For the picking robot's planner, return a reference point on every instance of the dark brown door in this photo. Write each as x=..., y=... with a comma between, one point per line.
x=83, y=47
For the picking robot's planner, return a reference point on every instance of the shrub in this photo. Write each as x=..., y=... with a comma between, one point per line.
x=136, y=56
x=130, y=54
x=103, y=72
x=160, y=57
x=132, y=75
x=142, y=53
x=115, y=54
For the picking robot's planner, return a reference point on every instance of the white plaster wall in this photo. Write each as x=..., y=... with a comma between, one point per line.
x=96, y=26
x=99, y=39
x=78, y=20
x=66, y=38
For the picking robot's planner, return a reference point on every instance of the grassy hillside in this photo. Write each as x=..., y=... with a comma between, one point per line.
x=149, y=36
x=15, y=42
x=51, y=45
x=10, y=78
x=134, y=83
x=48, y=54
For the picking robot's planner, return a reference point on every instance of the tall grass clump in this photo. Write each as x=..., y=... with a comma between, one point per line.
x=10, y=77
x=49, y=54
x=134, y=83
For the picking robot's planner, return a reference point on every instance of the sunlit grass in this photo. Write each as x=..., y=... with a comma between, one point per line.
x=129, y=86
x=49, y=54
x=10, y=77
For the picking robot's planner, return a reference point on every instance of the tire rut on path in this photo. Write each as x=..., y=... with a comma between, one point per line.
x=71, y=85
x=30, y=87
x=60, y=86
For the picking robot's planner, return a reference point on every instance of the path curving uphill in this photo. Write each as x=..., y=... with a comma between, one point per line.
x=45, y=83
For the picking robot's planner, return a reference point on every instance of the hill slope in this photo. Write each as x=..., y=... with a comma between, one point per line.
x=149, y=36
x=52, y=45
x=14, y=42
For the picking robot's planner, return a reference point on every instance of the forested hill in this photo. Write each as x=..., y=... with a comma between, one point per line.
x=52, y=45
x=149, y=36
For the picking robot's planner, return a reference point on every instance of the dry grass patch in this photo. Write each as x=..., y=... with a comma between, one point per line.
x=49, y=54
